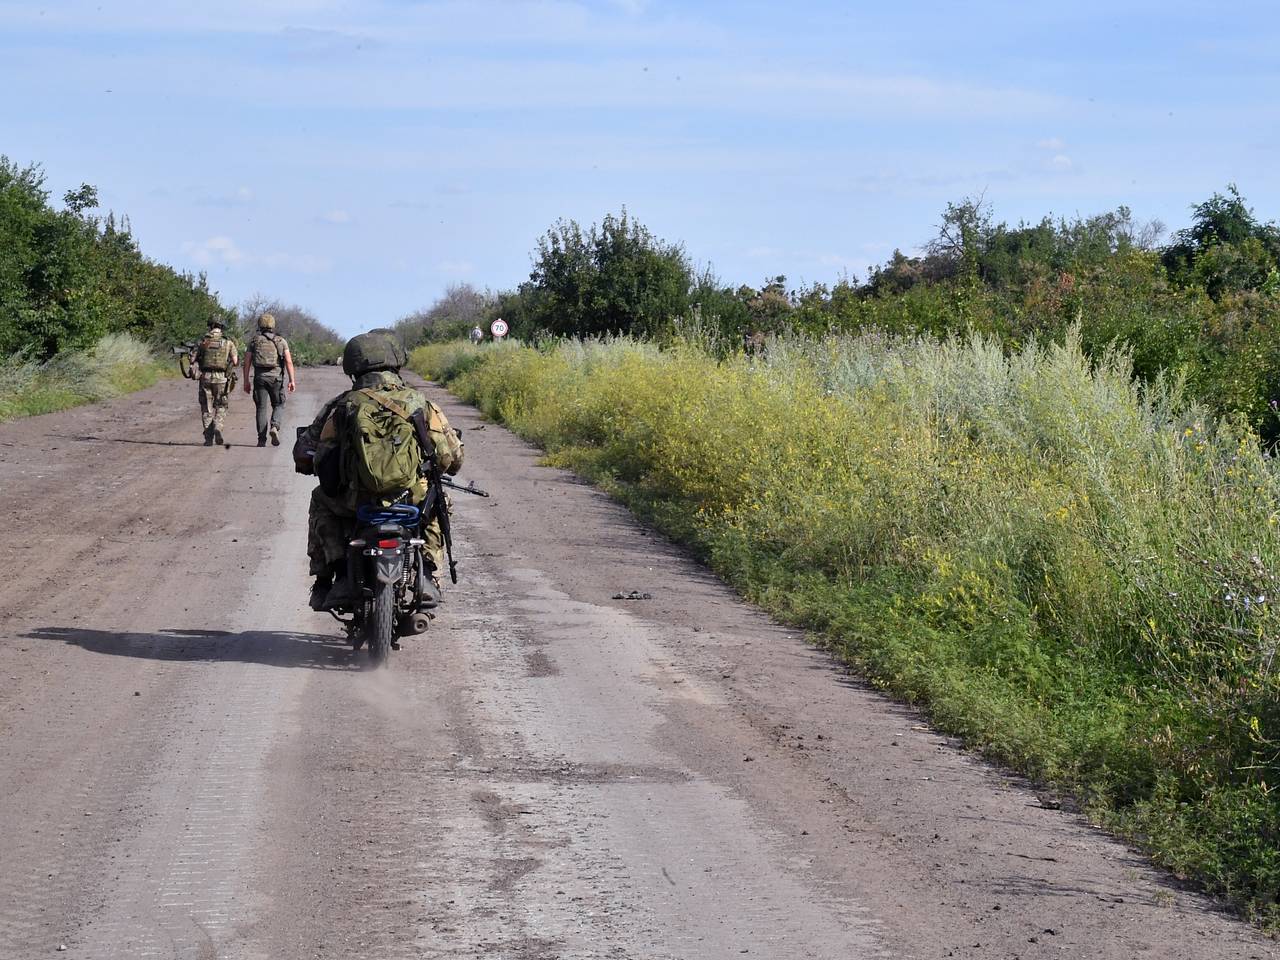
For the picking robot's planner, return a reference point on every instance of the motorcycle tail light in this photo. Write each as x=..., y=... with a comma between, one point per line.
x=389, y=544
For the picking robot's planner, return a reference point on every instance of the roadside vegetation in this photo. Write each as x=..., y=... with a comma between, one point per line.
x=118, y=363
x=85, y=315
x=310, y=341
x=1203, y=305
x=69, y=277
x=450, y=317
x=1074, y=572
x=1024, y=480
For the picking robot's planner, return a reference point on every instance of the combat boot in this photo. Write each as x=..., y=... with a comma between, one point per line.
x=320, y=590
x=340, y=595
x=217, y=437
x=275, y=437
x=262, y=440
x=430, y=589
x=208, y=436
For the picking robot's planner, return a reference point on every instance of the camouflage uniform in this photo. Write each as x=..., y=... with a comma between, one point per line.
x=330, y=518
x=213, y=387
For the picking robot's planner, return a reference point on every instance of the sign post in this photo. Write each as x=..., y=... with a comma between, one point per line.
x=498, y=328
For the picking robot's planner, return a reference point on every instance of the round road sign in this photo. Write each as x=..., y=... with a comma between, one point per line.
x=498, y=328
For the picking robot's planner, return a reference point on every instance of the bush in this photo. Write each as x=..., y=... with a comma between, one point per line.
x=451, y=316
x=117, y=364
x=310, y=341
x=451, y=359
x=68, y=278
x=615, y=277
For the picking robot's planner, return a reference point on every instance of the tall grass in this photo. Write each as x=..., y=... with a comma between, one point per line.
x=116, y=364
x=452, y=358
x=1075, y=573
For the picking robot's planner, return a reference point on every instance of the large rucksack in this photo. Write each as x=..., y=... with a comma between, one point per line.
x=266, y=352
x=381, y=454
x=213, y=354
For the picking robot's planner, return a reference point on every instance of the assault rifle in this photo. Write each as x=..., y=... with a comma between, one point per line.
x=434, y=507
x=469, y=488
x=183, y=353
x=189, y=372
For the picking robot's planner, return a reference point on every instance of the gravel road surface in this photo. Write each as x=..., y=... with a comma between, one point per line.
x=194, y=765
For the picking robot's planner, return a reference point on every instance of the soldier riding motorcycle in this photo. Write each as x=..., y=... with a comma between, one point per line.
x=378, y=530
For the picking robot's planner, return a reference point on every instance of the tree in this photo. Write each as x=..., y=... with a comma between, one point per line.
x=1225, y=249
x=964, y=230
x=617, y=277
x=452, y=314
x=67, y=277
x=310, y=341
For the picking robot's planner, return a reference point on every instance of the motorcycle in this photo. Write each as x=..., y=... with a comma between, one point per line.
x=389, y=575
x=390, y=579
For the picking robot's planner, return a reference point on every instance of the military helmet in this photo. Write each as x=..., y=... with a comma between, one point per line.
x=215, y=322
x=267, y=322
x=376, y=350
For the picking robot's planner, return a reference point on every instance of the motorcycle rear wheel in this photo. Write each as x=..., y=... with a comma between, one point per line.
x=381, y=624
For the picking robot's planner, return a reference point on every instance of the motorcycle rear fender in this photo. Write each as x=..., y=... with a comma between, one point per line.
x=387, y=566
x=380, y=565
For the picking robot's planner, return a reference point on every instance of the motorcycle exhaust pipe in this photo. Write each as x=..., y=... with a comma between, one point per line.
x=414, y=624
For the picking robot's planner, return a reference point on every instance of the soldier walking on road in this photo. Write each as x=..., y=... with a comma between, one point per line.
x=216, y=360
x=267, y=356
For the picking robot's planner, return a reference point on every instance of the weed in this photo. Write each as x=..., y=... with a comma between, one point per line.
x=116, y=364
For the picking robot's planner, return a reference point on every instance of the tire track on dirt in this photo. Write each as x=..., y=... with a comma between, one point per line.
x=156, y=699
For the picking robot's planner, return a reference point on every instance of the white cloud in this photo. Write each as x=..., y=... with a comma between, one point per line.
x=336, y=217
x=646, y=74
x=222, y=251
x=1052, y=143
x=456, y=267
x=214, y=251
x=1061, y=162
x=322, y=27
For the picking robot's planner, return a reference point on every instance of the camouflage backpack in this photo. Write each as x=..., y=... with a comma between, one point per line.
x=266, y=352
x=380, y=450
x=213, y=354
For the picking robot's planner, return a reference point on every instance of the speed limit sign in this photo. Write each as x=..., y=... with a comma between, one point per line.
x=498, y=328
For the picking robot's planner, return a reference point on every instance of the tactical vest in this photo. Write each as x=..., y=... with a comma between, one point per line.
x=267, y=355
x=213, y=354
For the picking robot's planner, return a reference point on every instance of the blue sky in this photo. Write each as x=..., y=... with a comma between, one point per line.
x=358, y=157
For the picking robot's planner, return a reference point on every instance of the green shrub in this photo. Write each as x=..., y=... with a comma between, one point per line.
x=68, y=278
x=118, y=363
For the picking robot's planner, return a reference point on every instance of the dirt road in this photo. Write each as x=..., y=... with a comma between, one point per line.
x=193, y=765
